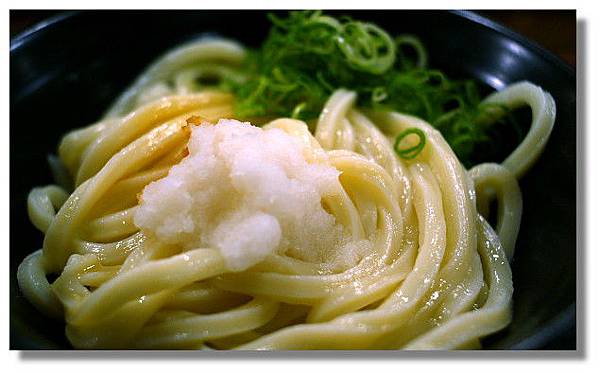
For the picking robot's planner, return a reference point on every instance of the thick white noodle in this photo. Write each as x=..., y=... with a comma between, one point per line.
x=437, y=276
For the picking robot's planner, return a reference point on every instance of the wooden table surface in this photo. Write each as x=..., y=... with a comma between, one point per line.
x=553, y=30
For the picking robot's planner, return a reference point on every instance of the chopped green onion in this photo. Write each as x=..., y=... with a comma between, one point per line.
x=417, y=46
x=410, y=152
x=308, y=55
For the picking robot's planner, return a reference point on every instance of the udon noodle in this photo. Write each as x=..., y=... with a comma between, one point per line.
x=437, y=277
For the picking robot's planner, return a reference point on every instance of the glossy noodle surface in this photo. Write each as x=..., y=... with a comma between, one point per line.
x=428, y=271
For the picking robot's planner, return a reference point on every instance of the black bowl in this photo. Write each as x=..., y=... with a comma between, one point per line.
x=65, y=72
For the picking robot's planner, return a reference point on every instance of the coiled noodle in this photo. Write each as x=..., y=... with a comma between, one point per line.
x=438, y=275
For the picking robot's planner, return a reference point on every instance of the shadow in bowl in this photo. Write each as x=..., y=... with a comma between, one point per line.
x=65, y=72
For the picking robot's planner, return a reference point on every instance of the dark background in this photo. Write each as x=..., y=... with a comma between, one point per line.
x=556, y=35
x=42, y=79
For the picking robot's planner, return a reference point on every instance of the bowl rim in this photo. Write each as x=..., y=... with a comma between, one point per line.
x=563, y=321
x=549, y=56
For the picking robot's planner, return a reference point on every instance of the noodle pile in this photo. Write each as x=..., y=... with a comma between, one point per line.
x=437, y=275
